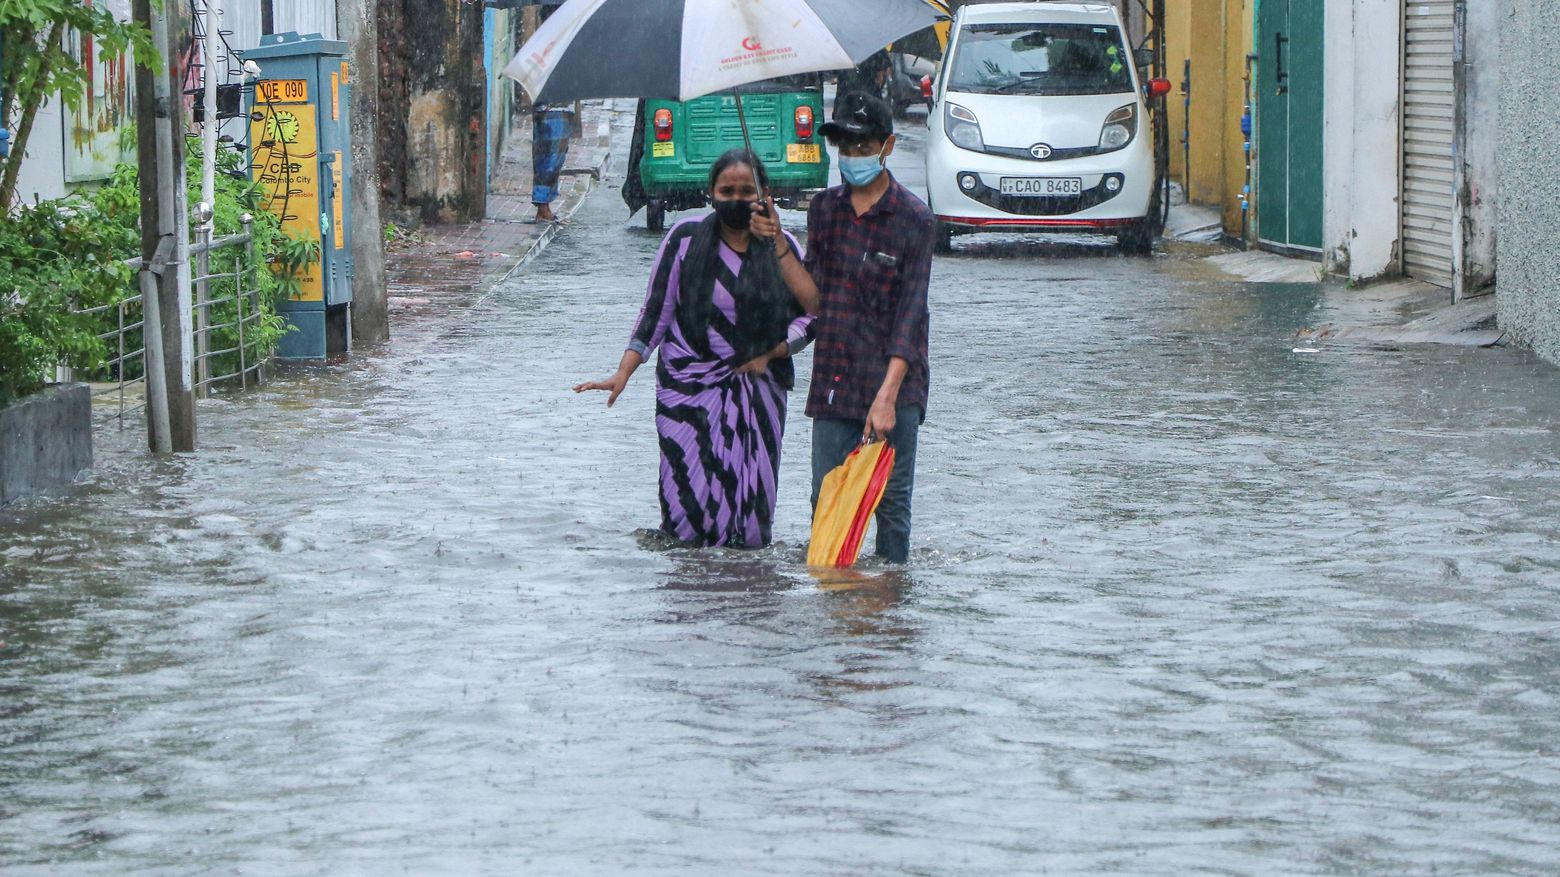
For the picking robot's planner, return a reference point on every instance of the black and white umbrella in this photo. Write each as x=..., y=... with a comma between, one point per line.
x=683, y=49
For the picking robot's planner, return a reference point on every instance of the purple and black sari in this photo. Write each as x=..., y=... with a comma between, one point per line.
x=711, y=309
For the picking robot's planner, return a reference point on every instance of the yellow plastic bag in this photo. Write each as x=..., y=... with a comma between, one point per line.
x=846, y=503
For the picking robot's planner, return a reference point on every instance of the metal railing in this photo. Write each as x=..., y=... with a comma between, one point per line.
x=127, y=365
x=121, y=363
x=240, y=297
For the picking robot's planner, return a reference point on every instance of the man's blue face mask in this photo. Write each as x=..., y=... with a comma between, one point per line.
x=861, y=170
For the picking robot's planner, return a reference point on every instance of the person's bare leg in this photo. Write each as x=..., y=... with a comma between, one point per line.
x=544, y=213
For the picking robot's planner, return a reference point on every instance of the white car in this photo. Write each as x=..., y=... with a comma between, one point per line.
x=1040, y=123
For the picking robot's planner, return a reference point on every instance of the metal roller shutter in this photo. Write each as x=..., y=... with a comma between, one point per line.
x=1428, y=115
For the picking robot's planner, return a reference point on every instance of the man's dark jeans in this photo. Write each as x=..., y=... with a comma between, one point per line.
x=832, y=442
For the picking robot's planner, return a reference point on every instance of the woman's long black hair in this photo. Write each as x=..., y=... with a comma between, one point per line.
x=733, y=157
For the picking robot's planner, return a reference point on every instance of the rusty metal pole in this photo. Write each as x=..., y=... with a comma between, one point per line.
x=165, y=287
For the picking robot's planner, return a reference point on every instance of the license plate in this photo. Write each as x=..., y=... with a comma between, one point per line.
x=282, y=91
x=665, y=149
x=802, y=153
x=1041, y=186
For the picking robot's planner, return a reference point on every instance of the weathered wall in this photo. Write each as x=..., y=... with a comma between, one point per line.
x=370, y=303
x=1215, y=36
x=432, y=108
x=1196, y=33
x=1239, y=31
x=1529, y=150
x=1360, y=146
x=1482, y=106
x=45, y=441
x=42, y=175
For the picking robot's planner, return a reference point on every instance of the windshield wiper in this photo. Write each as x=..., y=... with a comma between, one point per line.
x=1026, y=80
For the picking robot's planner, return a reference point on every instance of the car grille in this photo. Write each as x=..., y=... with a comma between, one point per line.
x=1056, y=154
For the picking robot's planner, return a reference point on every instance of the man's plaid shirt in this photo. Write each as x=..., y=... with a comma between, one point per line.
x=872, y=271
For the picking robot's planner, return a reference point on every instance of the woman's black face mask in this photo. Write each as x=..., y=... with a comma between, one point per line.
x=737, y=213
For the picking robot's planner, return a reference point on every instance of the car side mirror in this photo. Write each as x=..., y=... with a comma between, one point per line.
x=1144, y=57
x=1157, y=87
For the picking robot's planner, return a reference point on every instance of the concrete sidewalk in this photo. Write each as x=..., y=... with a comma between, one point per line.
x=440, y=266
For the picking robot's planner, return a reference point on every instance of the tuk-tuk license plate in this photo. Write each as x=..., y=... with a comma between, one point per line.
x=1041, y=186
x=802, y=153
x=665, y=149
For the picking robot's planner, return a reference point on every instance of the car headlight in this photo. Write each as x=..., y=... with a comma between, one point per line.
x=1120, y=127
x=962, y=127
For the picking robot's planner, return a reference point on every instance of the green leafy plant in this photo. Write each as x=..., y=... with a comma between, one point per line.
x=67, y=255
x=55, y=259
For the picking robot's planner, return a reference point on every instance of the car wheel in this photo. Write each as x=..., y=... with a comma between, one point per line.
x=1137, y=239
x=655, y=214
x=943, y=242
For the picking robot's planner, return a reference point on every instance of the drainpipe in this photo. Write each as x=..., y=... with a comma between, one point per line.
x=5, y=133
x=1186, y=128
x=1460, y=188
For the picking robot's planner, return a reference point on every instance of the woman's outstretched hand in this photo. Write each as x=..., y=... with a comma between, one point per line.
x=614, y=385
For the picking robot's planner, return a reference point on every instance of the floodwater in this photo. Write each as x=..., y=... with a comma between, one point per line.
x=1182, y=601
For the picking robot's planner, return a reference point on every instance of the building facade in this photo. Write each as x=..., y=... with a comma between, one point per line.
x=1410, y=142
x=79, y=147
x=1373, y=130
x=1207, y=47
x=1529, y=147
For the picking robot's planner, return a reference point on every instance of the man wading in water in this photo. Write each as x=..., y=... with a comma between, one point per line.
x=869, y=249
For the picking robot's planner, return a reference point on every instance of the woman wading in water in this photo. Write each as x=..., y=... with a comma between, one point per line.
x=727, y=305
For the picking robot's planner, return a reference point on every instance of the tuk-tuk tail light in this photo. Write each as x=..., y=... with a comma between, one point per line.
x=804, y=122
x=663, y=124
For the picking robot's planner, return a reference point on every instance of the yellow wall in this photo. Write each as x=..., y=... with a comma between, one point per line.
x=1215, y=36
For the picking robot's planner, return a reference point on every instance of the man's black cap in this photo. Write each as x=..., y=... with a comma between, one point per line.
x=859, y=116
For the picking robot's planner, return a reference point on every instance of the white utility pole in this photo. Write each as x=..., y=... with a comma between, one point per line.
x=205, y=210
x=209, y=130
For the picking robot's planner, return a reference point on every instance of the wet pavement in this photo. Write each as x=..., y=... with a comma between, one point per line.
x=1182, y=601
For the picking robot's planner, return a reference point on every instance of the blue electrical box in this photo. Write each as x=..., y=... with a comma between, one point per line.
x=300, y=152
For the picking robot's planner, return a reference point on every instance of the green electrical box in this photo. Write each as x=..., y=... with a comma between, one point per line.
x=300, y=153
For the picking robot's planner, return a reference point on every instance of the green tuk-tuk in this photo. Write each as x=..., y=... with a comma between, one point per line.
x=676, y=143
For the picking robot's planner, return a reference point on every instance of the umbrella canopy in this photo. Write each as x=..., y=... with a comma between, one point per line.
x=683, y=49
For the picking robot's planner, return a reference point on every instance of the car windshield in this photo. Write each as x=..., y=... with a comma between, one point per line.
x=1040, y=59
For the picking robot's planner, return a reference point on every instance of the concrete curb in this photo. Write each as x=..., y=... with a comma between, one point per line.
x=1464, y=325
x=586, y=179
x=45, y=441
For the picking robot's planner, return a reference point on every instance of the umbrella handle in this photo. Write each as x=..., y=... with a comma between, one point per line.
x=747, y=141
x=742, y=119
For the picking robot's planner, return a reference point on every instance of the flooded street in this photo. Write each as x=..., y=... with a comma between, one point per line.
x=1181, y=600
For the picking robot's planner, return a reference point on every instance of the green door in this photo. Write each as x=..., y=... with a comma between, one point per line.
x=1289, y=124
